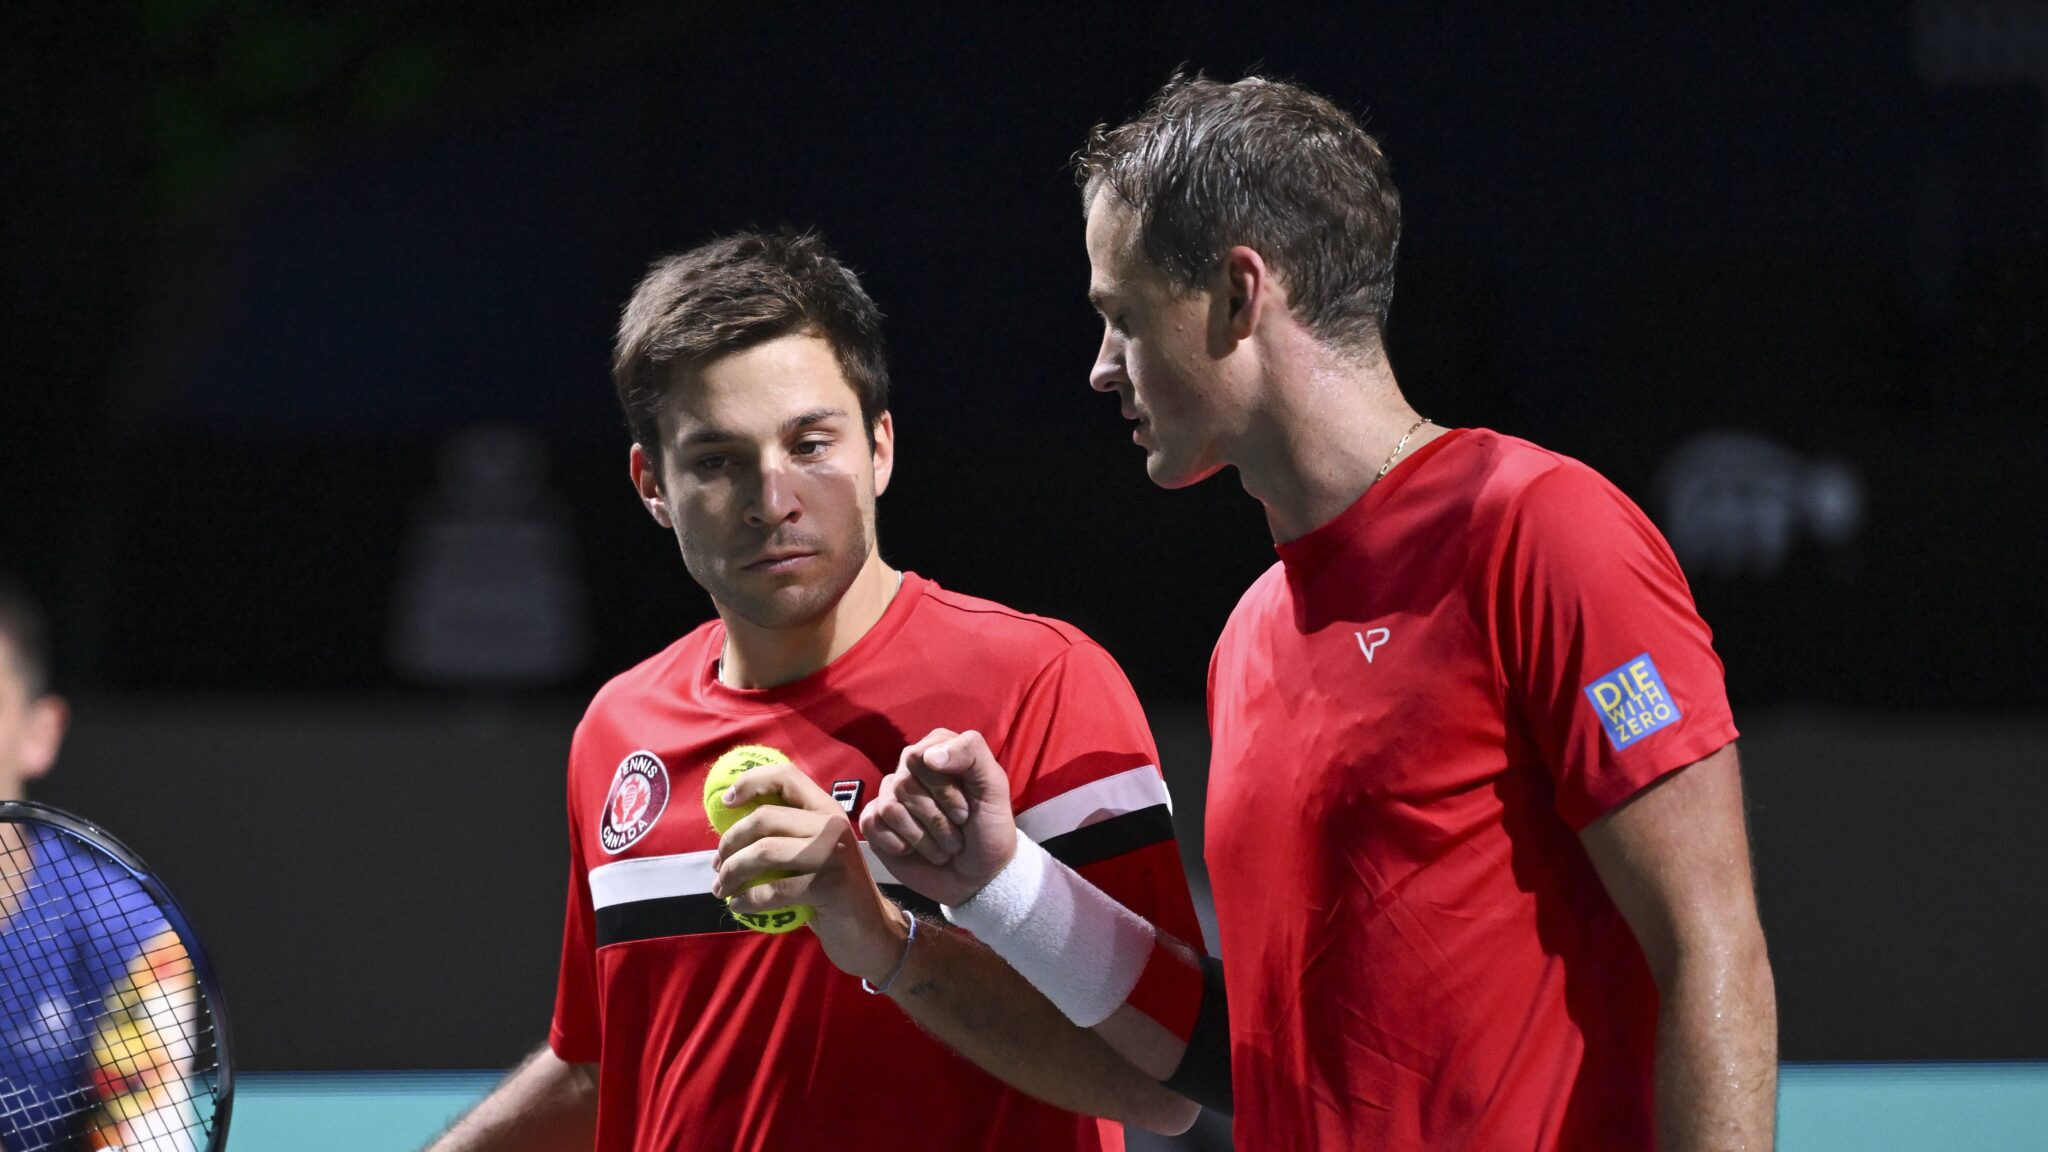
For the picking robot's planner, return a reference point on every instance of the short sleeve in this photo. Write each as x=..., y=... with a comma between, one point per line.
x=1606, y=659
x=574, y=1034
x=1086, y=784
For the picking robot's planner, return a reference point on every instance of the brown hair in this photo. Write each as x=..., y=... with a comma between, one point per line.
x=1265, y=164
x=731, y=294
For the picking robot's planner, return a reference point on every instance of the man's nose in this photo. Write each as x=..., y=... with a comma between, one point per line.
x=775, y=499
x=1108, y=372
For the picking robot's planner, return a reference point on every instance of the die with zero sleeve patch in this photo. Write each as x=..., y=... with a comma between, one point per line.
x=1632, y=701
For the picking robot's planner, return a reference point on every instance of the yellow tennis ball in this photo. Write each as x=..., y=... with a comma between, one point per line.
x=724, y=771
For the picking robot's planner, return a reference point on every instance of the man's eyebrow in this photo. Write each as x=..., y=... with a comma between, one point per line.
x=711, y=434
x=707, y=435
x=1100, y=298
x=814, y=416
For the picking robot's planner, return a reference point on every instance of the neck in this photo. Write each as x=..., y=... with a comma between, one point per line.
x=1328, y=426
x=757, y=657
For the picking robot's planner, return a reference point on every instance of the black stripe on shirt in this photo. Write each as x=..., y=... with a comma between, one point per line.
x=668, y=916
x=1113, y=837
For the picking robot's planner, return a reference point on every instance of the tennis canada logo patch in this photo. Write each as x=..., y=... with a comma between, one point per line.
x=1632, y=701
x=638, y=797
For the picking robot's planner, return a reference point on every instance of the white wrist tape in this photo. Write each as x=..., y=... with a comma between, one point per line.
x=1074, y=943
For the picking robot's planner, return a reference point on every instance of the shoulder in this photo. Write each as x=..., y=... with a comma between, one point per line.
x=1562, y=525
x=633, y=688
x=997, y=631
x=1503, y=471
x=1265, y=594
x=1514, y=485
x=1003, y=655
x=1264, y=606
x=1559, y=499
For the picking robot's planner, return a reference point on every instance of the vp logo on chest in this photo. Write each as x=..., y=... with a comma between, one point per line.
x=1369, y=641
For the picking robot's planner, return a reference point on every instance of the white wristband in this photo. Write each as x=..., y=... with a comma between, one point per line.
x=1074, y=943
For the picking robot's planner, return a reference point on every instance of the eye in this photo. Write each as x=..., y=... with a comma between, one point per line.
x=1118, y=326
x=812, y=448
x=711, y=463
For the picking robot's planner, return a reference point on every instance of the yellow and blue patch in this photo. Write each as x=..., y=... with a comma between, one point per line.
x=1632, y=701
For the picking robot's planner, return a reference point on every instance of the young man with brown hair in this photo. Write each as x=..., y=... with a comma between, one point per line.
x=1475, y=826
x=752, y=374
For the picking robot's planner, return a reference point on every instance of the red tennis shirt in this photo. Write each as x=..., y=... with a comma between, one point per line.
x=711, y=1036
x=1414, y=713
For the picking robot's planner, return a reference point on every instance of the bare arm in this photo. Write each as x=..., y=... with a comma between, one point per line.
x=1675, y=859
x=967, y=997
x=545, y=1105
x=956, y=989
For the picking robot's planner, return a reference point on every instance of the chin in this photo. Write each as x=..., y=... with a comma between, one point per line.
x=795, y=604
x=788, y=608
x=1170, y=473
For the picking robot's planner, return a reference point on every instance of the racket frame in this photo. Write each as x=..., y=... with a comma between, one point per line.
x=77, y=827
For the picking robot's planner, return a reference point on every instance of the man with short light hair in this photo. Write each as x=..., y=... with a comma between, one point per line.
x=1475, y=826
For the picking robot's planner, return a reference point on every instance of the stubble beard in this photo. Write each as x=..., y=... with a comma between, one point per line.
x=772, y=607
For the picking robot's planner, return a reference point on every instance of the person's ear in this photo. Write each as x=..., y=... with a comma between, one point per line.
x=1247, y=290
x=647, y=483
x=49, y=717
x=884, y=452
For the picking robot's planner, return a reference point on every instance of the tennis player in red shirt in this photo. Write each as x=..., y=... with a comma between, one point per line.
x=752, y=374
x=1475, y=825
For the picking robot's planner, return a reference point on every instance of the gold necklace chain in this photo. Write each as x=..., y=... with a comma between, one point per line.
x=1389, y=465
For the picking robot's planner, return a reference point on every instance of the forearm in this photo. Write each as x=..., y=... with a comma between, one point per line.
x=1159, y=1003
x=1141, y=1040
x=545, y=1105
x=976, y=1004
x=1717, y=1053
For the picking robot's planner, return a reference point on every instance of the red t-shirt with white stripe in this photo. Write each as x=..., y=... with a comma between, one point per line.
x=1414, y=713
x=710, y=1036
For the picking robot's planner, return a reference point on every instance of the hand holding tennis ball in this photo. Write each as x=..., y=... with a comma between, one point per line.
x=726, y=769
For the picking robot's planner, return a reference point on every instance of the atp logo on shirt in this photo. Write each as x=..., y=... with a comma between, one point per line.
x=1632, y=701
x=638, y=797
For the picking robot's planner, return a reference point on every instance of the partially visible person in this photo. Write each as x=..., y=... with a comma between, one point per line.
x=91, y=968
x=33, y=719
x=1475, y=819
x=752, y=375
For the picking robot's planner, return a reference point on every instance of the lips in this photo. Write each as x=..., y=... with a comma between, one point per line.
x=1138, y=419
x=779, y=561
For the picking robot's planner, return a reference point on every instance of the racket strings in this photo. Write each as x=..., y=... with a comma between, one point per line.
x=106, y=1037
x=38, y=1119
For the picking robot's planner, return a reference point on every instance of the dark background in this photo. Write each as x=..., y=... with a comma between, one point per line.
x=264, y=262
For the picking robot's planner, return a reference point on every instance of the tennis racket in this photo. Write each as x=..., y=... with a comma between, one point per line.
x=112, y=1030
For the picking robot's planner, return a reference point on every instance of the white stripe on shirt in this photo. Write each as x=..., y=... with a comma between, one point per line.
x=1093, y=802
x=683, y=874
